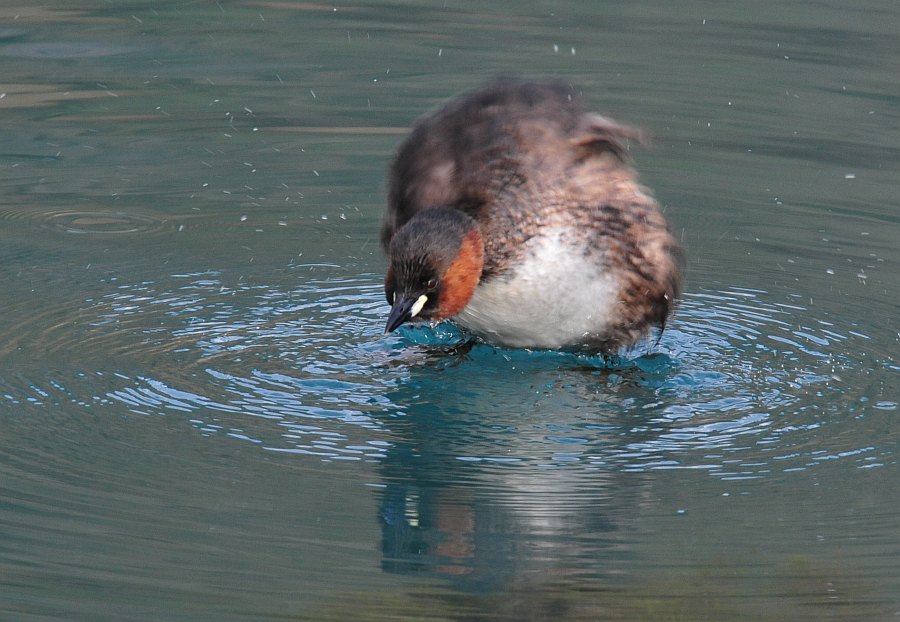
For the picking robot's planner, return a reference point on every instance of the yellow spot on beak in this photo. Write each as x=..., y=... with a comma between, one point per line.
x=417, y=305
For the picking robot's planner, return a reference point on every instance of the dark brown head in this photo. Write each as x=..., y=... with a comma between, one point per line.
x=435, y=264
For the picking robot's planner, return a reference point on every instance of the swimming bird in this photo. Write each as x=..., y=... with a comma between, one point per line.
x=514, y=212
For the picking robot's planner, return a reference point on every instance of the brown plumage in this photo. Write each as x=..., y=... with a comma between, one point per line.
x=519, y=178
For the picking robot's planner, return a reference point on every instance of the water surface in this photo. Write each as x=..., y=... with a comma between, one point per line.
x=200, y=417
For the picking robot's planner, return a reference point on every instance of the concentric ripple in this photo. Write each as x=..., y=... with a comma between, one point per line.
x=259, y=365
x=740, y=386
x=759, y=387
x=101, y=222
x=95, y=221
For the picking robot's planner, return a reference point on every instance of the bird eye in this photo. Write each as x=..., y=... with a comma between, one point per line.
x=431, y=284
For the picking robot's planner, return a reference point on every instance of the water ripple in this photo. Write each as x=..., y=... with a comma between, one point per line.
x=741, y=386
x=96, y=221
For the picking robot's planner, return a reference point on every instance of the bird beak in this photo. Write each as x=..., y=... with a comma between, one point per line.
x=403, y=310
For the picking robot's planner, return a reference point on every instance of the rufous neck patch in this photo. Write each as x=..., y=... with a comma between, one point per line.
x=461, y=278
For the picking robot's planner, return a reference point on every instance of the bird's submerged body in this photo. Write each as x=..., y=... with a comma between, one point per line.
x=512, y=212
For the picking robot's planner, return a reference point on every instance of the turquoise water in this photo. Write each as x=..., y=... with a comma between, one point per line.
x=201, y=420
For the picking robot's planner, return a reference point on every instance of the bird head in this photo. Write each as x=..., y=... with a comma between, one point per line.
x=436, y=260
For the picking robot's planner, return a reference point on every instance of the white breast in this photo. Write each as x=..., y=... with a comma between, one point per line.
x=558, y=296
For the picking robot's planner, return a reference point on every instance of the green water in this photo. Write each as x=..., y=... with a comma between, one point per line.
x=201, y=420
